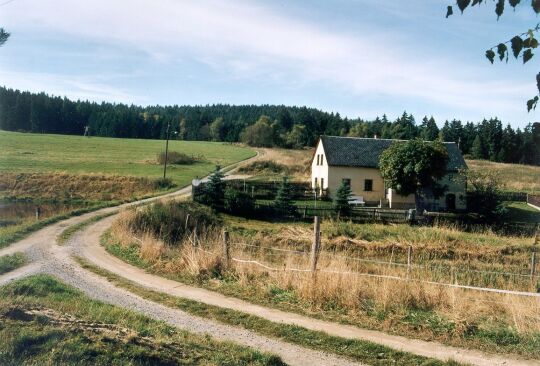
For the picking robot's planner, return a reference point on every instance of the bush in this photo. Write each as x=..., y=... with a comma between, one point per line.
x=163, y=183
x=283, y=202
x=267, y=166
x=169, y=221
x=174, y=157
x=238, y=202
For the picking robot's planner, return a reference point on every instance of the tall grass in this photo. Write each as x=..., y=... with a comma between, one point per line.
x=414, y=308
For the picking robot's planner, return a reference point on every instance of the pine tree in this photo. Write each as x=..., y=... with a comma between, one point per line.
x=215, y=189
x=341, y=201
x=477, y=150
x=283, y=203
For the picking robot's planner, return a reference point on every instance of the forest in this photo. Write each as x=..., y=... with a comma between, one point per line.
x=257, y=125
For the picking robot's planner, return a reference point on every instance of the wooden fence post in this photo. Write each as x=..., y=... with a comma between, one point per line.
x=186, y=224
x=533, y=265
x=38, y=212
x=226, y=252
x=315, y=247
x=409, y=260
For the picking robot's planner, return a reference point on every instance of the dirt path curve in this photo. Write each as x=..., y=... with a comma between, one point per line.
x=50, y=258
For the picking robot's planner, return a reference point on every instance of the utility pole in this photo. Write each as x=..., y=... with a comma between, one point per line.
x=166, y=150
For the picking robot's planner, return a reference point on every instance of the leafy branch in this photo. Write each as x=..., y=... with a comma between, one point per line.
x=522, y=44
x=3, y=36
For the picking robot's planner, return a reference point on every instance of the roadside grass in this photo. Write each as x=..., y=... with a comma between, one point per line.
x=514, y=177
x=11, y=234
x=522, y=212
x=10, y=262
x=363, y=351
x=490, y=322
x=44, y=321
x=40, y=153
x=68, y=233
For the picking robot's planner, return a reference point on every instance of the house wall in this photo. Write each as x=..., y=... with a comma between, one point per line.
x=358, y=177
x=400, y=202
x=457, y=186
x=319, y=171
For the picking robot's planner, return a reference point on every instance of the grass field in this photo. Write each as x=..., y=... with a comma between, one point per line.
x=45, y=322
x=36, y=153
x=10, y=262
x=513, y=177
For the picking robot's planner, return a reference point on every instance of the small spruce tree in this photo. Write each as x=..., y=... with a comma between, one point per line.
x=215, y=189
x=341, y=201
x=283, y=201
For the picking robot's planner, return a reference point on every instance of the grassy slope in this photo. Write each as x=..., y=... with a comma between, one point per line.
x=99, y=334
x=366, y=352
x=10, y=262
x=514, y=177
x=32, y=153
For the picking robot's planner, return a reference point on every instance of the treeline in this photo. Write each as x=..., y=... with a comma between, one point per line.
x=265, y=125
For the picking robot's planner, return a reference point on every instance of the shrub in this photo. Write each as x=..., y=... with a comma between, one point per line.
x=170, y=222
x=238, y=202
x=174, y=157
x=341, y=202
x=266, y=166
x=283, y=203
x=163, y=183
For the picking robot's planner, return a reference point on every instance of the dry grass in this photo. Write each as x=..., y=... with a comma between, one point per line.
x=428, y=311
x=297, y=162
x=64, y=186
x=514, y=177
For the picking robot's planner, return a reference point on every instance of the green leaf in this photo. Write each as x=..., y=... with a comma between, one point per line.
x=499, y=8
x=530, y=42
x=476, y=2
x=490, y=55
x=502, y=50
x=538, y=81
x=527, y=55
x=536, y=6
x=449, y=11
x=462, y=4
x=531, y=103
x=517, y=45
x=514, y=3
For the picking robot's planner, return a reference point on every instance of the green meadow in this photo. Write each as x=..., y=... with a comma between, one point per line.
x=37, y=153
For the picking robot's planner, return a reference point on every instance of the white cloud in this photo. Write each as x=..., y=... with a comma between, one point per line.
x=247, y=40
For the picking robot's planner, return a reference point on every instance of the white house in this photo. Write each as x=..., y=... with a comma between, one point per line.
x=356, y=161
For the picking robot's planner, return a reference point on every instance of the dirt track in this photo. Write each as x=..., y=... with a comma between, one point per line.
x=47, y=257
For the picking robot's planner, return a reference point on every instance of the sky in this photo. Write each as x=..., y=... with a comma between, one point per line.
x=359, y=58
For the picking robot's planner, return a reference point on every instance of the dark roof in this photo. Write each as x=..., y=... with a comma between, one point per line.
x=365, y=152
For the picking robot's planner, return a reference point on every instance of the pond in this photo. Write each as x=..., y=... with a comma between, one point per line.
x=15, y=212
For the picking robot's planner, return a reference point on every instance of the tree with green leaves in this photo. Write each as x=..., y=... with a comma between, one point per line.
x=260, y=134
x=4, y=35
x=283, y=203
x=412, y=166
x=521, y=45
x=215, y=189
x=341, y=200
x=477, y=150
x=429, y=130
x=484, y=197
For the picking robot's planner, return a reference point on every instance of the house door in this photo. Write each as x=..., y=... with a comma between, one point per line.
x=451, y=201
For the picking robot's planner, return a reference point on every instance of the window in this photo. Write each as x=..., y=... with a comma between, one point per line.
x=322, y=183
x=322, y=159
x=347, y=181
x=368, y=185
x=316, y=182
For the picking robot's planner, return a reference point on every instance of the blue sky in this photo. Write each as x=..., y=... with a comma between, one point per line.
x=361, y=58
